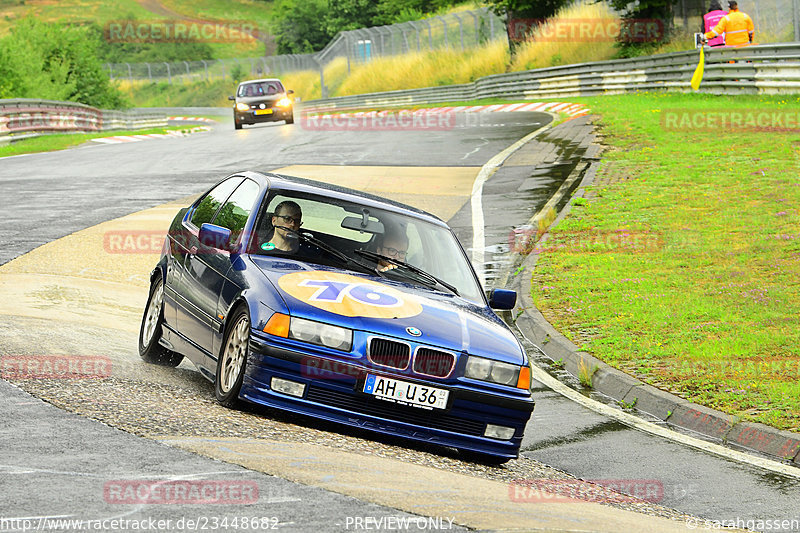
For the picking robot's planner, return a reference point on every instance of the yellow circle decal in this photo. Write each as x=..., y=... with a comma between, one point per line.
x=348, y=295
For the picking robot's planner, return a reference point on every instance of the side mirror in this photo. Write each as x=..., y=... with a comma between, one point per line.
x=231, y=98
x=290, y=91
x=502, y=299
x=215, y=236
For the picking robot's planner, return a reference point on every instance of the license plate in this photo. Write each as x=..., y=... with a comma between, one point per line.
x=263, y=111
x=405, y=393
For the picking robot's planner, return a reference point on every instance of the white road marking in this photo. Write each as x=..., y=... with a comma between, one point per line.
x=654, y=429
x=476, y=199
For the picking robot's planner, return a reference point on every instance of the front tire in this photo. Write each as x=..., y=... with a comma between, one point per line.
x=152, y=328
x=233, y=360
x=237, y=125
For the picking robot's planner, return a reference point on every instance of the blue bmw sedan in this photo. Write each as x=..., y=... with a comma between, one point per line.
x=339, y=305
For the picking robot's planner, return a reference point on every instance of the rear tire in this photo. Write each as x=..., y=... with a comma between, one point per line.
x=152, y=328
x=233, y=360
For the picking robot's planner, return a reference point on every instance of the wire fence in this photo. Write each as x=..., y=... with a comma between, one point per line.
x=775, y=21
x=462, y=30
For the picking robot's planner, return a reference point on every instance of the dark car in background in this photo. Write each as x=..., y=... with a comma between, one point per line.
x=264, y=100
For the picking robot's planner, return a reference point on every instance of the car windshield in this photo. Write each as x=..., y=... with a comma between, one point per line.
x=260, y=88
x=333, y=232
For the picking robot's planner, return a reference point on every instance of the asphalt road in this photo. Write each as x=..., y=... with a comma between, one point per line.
x=51, y=195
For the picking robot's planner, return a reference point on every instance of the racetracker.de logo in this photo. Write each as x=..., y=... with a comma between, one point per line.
x=380, y=121
x=579, y=491
x=524, y=240
x=55, y=367
x=143, y=492
x=730, y=120
x=180, y=31
x=586, y=30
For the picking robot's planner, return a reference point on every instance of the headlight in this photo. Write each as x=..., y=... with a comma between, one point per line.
x=496, y=372
x=241, y=106
x=322, y=334
x=284, y=102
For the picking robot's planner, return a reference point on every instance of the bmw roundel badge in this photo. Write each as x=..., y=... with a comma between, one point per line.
x=414, y=332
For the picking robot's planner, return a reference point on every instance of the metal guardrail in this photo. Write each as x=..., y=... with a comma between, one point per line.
x=22, y=116
x=762, y=69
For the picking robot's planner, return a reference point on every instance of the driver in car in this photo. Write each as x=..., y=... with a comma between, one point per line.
x=286, y=222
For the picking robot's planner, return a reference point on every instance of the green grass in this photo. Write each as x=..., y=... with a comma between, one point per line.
x=100, y=11
x=103, y=11
x=50, y=143
x=683, y=268
x=199, y=94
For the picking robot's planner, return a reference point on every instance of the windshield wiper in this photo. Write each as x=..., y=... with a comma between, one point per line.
x=430, y=278
x=307, y=237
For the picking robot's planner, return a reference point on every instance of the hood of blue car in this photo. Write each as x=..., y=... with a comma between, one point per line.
x=386, y=307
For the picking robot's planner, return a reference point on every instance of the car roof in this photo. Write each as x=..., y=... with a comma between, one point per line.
x=294, y=183
x=261, y=80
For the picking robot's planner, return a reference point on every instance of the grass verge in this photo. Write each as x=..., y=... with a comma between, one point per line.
x=683, y=266
x=49, y=143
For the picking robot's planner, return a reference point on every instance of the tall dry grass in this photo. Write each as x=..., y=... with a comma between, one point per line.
x=426, y=69
x=306, y=83
x=552, y=43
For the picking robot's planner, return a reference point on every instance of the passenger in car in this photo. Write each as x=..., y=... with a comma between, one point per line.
x=393, y=243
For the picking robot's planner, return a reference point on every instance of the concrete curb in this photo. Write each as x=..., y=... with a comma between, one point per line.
x=675, y=411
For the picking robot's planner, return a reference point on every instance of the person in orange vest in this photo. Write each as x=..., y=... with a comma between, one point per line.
x=711, y=19
x=736, y=27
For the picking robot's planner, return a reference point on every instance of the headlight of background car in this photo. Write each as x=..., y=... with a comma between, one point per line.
x=497, y=372
x=241, y=106
x=322, y=334
x=284, y=102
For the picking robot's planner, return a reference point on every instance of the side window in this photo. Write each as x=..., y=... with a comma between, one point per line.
x=235, y=212
x=208, y=206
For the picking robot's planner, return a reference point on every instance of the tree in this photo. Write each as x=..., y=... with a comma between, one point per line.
x=300, y=26
x=351, y=14
x=53, y=61
x=532, y=12
x=658, y=12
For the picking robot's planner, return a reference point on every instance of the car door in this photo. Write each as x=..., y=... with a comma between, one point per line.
x=232, y=215
x=206, y=267
x=193, y=277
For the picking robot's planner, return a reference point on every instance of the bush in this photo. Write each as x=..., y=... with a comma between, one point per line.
x=54, y=62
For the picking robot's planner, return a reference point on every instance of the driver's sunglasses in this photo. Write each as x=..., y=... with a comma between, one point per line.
x=290, y=220
x=394, y=252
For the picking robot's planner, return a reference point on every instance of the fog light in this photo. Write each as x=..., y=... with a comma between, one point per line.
x=292, y=388
x=498, y=432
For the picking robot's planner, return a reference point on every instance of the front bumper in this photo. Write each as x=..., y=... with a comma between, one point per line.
x=250, y=117
x=336, y=395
